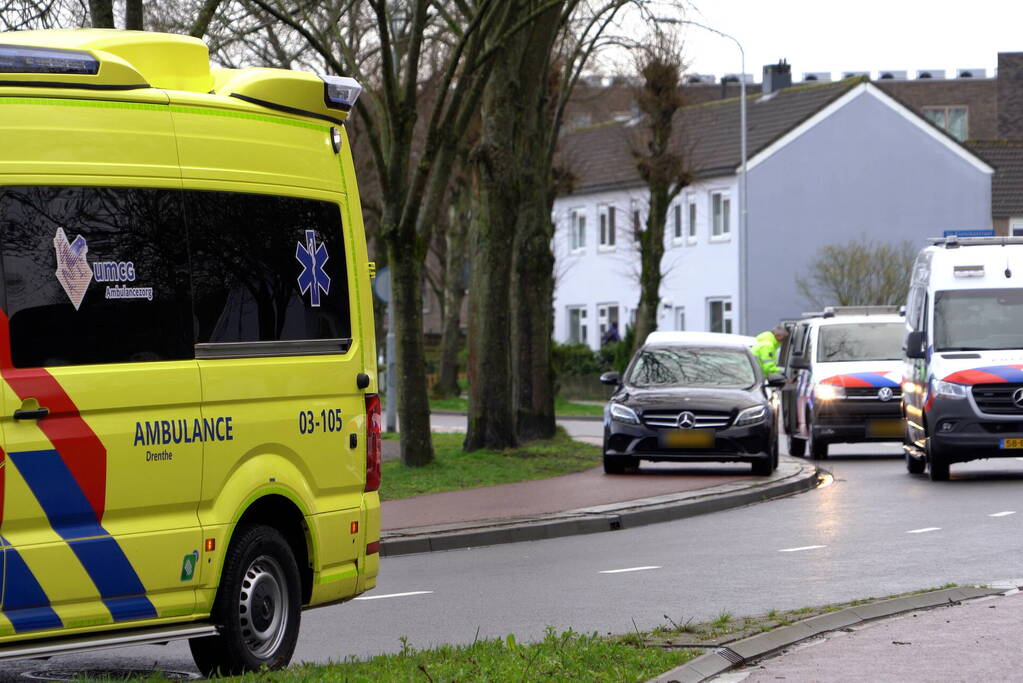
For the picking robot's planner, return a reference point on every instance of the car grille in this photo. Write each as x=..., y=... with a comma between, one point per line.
x=705, y=419
x=869, y=393
x=996, y=399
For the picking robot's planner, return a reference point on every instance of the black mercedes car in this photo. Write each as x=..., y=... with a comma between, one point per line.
x=691, y=402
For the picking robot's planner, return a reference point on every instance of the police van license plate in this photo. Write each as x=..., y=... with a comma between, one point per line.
x=687, y=438
x=1012, y=443
x=885, y=428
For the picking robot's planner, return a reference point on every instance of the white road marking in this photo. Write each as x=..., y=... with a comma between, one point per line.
x=1019, y=458
x=628, y=569
x=1003, y=514
x=392, y=595
x=924, y=530
x=805, y=547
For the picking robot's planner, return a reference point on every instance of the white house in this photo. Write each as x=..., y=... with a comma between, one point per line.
x=827, y=163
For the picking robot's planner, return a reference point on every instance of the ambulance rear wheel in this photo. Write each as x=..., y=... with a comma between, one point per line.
x=258, y=607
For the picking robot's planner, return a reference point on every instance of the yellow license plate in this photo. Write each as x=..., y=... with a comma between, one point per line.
x=1012, y=443
x=885, y=428
x=688, y=438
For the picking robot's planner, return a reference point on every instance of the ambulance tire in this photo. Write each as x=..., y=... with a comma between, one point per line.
x=937, y=463
x=258, y=607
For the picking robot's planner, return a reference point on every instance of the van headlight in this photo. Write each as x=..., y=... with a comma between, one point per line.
x=949, y=389
x=623, y=413
x=828, y=392
x=751, y=416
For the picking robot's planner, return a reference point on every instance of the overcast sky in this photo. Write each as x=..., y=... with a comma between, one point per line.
x=865, y=35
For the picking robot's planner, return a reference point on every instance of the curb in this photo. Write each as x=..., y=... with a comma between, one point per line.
x=756, y=647
x=626, y=515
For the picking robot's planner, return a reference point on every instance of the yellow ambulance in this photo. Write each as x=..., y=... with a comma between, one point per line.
x=189, y=423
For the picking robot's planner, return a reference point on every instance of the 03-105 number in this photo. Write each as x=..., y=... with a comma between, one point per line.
x=327, y=421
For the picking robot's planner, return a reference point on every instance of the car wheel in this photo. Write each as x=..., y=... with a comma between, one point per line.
x=937, y=463
x=615, y=464
x=797, y=446
x=258, y=607
x=763, y=468
x=915, y=465
x=774, y=453
x=817, y=447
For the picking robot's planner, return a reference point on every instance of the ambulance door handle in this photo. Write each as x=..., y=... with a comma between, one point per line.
x=36, y=414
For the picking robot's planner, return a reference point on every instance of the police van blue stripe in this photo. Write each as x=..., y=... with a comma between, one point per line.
x=875, y=379
x=1006, y=372
x=73, y=519
x=25, y=603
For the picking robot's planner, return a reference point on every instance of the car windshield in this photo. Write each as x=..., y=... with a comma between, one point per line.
x=692, y=366
x=860, y=341
x=978, y=319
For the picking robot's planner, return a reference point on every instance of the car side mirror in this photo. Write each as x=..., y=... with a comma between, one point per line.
x=798, y=362
x=916, y=345
x=776, y=380
x=612, y=378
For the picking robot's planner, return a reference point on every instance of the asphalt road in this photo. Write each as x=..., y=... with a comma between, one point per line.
x=874, y=531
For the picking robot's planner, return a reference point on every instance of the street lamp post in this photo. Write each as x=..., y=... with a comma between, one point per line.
x=743, y=226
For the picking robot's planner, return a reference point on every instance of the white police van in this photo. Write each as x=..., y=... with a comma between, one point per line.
x=845, y=371
x=963, y=387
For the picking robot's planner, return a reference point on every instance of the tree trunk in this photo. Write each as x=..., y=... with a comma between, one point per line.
x=414, y=406
x=454, y=294
x=133, y=20
x=102, y=13
x=651, y=252
x=532, y=300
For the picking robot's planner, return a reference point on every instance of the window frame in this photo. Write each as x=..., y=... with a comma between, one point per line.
x=727, y=314
x=583, y=337
x=691, y=217
x=577, y=231
x=607, y=239
x=678, y=232
x=725, y=233
x=945, y=109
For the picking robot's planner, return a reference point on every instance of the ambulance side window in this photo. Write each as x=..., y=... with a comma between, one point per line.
x=94, y=275
x=267, y=268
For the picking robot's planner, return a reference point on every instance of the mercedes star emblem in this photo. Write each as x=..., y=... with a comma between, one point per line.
x=885, y=394
x=1017, y=397
x=686, y=420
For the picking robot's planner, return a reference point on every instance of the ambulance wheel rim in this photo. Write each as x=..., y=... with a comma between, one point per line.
x=263, y=606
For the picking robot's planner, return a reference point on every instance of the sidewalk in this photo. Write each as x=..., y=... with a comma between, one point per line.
x=962, y=634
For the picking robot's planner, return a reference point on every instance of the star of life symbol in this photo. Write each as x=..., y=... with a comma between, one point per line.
x=73, y=272
x=312, y=278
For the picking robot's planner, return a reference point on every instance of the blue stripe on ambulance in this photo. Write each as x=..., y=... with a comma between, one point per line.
x=1006, y=372
x=72, y=517
x=25, y=603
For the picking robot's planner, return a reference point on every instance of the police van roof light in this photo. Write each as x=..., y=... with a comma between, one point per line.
x=44, y=60
x=340, y=92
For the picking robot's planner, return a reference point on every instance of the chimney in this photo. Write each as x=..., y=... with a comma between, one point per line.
x=777, y=77
x=1010, y=94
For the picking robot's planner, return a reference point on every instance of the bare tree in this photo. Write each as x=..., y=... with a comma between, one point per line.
x=859, y=273
x=661, y=162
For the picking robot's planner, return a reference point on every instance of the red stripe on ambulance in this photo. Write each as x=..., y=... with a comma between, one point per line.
x=78, y=446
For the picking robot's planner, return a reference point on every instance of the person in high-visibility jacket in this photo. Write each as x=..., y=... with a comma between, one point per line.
x=766, y=346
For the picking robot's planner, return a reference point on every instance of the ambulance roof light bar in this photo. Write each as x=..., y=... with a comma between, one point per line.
x=46, y=60
x=340, y=92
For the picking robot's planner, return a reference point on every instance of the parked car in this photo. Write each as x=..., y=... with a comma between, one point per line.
x=845, y=375
x=964, y=354
x=691, y=397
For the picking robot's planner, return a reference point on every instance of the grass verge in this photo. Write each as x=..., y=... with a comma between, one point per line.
x=566, y=656
x=562, y=408
x=454, y=470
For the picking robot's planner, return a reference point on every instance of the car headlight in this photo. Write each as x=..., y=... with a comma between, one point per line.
x=623, y=413
x=751, y=416
x=949, y=389
x=828, y=392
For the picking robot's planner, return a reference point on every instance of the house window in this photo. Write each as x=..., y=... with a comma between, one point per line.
x=607, y=323
x=637, y=218
x=578, y=230
x=577, y=325
x=1016, y=227
x=607, y=226
x=676, y=217
x=719, y=314
x=952, y=120
x=680, y=318
x=691, y=227
x=720, y=210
